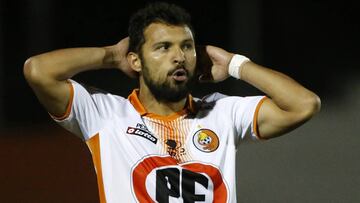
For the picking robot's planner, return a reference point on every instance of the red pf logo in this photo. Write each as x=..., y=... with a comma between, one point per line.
x=163, y=180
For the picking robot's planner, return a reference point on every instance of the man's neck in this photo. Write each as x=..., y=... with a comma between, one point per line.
x=152, y=105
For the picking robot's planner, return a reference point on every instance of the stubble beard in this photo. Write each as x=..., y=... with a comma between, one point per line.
x=167, y=92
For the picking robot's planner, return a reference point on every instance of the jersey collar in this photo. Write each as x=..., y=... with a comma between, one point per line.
x=190, y=107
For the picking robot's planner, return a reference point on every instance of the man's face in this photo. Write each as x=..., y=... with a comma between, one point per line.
x=168, y=61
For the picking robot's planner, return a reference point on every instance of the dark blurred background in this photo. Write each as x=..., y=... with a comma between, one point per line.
x=315, y=42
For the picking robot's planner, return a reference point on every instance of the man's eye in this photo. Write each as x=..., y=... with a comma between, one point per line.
x=163, y=47
x=187, y=46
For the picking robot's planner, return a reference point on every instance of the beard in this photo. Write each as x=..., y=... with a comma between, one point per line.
x=168, y=91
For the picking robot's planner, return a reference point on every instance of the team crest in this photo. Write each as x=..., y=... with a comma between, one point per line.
x=206, y=140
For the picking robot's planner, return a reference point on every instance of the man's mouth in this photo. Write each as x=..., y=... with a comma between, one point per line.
x=180, y=75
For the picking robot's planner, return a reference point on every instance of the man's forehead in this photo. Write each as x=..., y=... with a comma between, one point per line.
x=157, y=32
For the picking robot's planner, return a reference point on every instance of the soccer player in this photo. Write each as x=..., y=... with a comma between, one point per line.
x=160, y=144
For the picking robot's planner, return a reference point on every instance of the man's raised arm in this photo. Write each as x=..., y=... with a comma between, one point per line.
x=289, y=104
x=47, y=73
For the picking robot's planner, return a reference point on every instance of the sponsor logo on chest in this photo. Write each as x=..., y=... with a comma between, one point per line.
x=142, y=131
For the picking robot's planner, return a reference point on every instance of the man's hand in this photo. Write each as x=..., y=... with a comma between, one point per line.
x=117, y=58
x=47, y=73
x=219, y=59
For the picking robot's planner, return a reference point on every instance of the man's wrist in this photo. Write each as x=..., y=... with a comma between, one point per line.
x=109, y=57
x=236, y=64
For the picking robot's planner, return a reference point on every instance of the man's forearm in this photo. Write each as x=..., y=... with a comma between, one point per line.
x=64, y=63
x=284, y=91
x=47, y=74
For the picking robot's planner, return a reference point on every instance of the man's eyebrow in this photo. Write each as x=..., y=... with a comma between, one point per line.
x=161, y=43
x=169, y=43
x=188, y=40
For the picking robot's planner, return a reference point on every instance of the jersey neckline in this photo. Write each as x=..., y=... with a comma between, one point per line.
x=134, y=100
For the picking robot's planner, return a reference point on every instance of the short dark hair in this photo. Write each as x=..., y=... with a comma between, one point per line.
x=155, y=12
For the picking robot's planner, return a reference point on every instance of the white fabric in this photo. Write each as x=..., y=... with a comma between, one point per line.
x=235, y=65
x=123, y=154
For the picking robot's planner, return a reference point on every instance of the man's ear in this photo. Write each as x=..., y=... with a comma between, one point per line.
x=134, y=61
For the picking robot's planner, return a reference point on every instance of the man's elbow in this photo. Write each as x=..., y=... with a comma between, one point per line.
x=31, y=70
x=311, y=106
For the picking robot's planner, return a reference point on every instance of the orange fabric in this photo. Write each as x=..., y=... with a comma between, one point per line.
x=220, y=191
x=68, y=107
x=134, y=100
x=142, y=170
x=176, y=130
x=94, y=145
x=255, y=124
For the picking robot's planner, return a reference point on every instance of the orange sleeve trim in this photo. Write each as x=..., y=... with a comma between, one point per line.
x=69, y=105
x=255, y=124
x=94, y=146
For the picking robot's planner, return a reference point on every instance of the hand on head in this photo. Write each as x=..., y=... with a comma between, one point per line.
x=119, y=54
x=213, y=63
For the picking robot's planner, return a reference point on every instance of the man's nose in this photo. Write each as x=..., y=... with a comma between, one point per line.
x=179, y=56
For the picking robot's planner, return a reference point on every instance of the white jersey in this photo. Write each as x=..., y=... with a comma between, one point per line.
x=142, y=157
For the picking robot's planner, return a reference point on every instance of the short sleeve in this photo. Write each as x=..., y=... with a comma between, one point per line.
x=245, y=111
x=87, y=110
x=241, y=112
